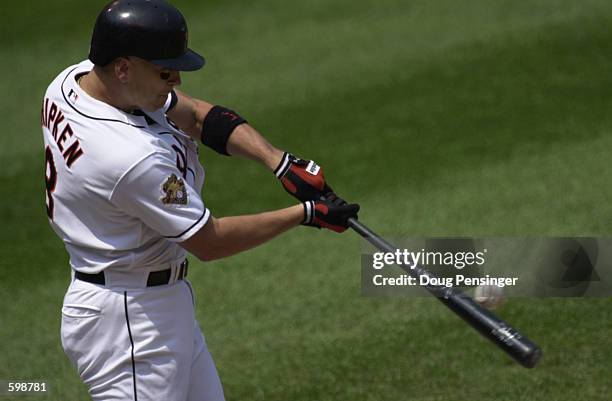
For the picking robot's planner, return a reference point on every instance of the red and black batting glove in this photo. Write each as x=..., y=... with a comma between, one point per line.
x=301, y=178
x=330, y=212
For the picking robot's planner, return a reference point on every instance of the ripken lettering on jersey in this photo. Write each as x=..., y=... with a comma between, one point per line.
x=52, y=118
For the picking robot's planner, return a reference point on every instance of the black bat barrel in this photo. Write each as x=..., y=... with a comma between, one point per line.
x=519, y=347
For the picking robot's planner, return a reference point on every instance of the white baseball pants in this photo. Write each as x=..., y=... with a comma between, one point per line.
x=138, y=344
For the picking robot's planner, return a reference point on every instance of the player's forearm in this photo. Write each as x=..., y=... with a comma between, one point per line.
x=246, y=142
x=227, y=236
x=192, y=116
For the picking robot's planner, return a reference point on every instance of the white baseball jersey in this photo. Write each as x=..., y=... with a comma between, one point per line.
x=122, y=189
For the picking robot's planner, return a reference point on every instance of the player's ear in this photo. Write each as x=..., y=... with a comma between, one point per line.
x=122, y=68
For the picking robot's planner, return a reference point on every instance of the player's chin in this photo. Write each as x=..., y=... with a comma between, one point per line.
x=156, y=103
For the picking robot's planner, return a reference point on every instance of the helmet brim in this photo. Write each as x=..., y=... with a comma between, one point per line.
x=189, y=61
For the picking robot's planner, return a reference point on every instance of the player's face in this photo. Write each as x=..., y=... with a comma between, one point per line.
x=150, y=84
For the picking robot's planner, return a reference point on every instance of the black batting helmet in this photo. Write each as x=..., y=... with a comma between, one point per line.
x=150, y=29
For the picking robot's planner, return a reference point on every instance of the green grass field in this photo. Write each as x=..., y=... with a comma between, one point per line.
x=439, y=118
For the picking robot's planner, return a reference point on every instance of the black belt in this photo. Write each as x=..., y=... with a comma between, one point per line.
x=160, y=277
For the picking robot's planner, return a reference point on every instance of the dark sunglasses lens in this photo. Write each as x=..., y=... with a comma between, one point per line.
x=164, y=75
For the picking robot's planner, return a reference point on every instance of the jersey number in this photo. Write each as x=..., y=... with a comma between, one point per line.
x=50, y=180
x=181, y=161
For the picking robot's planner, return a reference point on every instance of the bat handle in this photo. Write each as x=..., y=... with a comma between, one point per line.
x=370, y=236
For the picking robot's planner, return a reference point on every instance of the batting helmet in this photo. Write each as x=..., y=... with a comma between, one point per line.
x=150, y=29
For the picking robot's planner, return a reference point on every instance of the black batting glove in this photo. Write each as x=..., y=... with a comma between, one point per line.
x=301, y=178
x=330, y=212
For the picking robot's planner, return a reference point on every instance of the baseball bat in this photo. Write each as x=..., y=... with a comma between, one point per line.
x=510, y=340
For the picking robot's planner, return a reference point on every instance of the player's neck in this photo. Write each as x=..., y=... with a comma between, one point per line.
x=96, y=86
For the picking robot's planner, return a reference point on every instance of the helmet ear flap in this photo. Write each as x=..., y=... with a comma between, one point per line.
x=150, y=29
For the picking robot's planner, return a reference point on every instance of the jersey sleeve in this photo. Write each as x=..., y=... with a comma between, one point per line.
x=155, y=192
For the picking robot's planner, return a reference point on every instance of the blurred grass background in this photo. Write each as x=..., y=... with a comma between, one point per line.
x=439, y=118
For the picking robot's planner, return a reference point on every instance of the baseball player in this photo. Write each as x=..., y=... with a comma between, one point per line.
x=123, y=185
